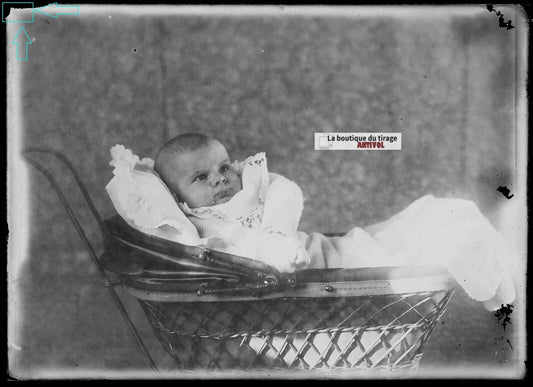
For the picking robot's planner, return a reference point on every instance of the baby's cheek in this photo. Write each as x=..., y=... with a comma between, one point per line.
x=238, y=182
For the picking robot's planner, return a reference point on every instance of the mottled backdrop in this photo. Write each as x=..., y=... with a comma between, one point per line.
x=258, y=83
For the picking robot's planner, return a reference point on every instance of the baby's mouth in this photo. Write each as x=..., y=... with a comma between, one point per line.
x=224, y=195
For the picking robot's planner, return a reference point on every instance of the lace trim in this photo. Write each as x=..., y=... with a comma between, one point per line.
x=253, y=219
x=208, y=213
x=258, y=159
x=250, y=220
x=123, y=160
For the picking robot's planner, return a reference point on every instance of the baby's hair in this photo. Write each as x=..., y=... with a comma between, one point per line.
x=186, y=142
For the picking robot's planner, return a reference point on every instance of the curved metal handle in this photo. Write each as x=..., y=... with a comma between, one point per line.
x=84, y=238
x=74, y=173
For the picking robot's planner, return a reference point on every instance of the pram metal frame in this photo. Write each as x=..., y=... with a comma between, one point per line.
x=92, y=254
x=182, y=289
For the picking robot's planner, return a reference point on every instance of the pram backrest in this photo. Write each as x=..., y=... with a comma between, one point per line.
x=152, y=263
x=157, y=268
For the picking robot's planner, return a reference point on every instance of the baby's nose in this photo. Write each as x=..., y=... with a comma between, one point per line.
x=218, y=179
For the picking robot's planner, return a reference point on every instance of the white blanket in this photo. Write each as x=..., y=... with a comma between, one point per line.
x=451, y=233
x=260, y=222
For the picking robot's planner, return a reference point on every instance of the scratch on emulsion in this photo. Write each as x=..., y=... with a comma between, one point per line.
x=502, y=23
x=504, y=314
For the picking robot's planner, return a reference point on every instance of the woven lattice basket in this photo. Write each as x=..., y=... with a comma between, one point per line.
x=218, y=312
x=365, y=332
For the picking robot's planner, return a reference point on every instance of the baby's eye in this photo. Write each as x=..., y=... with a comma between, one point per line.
x=200, y=177
x=225, y=168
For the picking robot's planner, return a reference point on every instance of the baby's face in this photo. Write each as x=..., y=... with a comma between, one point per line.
x=204, y=177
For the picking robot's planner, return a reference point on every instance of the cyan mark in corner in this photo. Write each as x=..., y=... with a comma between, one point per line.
x=54, y=10
x=21, y=41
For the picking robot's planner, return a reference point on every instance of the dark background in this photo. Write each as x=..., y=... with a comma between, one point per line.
x=446, y=80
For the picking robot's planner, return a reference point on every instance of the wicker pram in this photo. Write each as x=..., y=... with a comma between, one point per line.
x=219, y=312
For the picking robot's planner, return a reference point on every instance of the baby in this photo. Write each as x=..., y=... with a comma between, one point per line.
x=239, y=207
